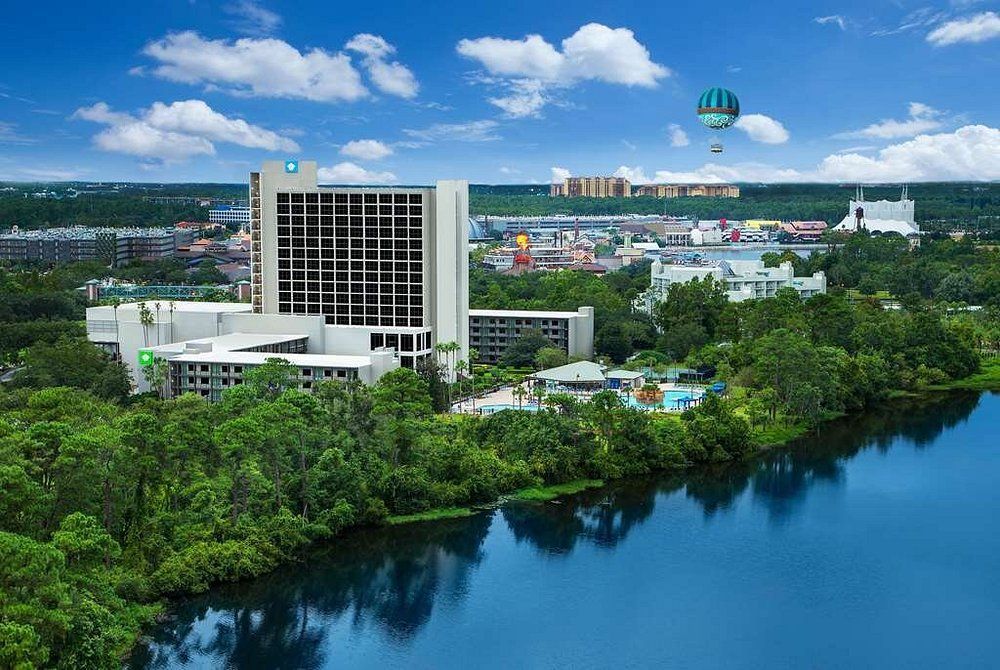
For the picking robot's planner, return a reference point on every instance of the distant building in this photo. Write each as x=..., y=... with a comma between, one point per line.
x=803, y=231
x=112, y=246
x=491, y=331
x=688, y=190
x=705, y=236
x=229, y=215
x=592, y=187
x=744, y=280
x=881, y=216
x=675, y=235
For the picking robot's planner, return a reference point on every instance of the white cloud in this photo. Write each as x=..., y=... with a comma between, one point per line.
x=635, y=174
x=267, y=68
x=836, y=19
x=629, y=145
x=678, y=138
x=594, y=51
x=509, y=170
x=531, y=64
x=393, y=77
x=471, y=131
x=252, y=19
x=352, y=173
x=366, y=149
x=526, y=98
x=919, y=18
x=9, y=135
x=560, y=174
x=971, y=153
x=922, y=118
x=177, y=131
x=970, y=29
x=761, y=128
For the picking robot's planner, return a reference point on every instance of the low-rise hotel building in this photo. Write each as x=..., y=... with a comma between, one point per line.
x=744, y=280
x=491, y=331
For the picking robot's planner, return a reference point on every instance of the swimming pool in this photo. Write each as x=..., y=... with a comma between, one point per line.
x=671, y=400
x=490, y=409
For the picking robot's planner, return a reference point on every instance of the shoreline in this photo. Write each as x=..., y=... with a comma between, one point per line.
x=987, y=380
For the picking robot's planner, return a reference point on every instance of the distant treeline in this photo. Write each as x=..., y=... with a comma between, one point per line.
x=939, y=205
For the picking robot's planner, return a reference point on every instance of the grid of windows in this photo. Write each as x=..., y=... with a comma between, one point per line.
x=356, y=258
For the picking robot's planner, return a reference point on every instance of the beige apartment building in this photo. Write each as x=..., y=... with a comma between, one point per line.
x=689, y=190
x=592, y=187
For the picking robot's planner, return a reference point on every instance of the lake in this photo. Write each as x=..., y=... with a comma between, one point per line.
x=873, y=544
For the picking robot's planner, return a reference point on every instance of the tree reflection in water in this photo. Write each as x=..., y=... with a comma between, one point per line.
x=392, y=579
x=388, y=578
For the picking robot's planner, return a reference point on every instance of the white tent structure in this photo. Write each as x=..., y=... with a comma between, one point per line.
x=880, y=216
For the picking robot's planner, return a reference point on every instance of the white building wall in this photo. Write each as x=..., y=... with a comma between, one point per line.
x=449, y=270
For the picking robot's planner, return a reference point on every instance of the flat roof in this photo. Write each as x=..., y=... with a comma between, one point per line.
x=181, y=306
x=259, y=357
x=522, y=313
x=232, y=341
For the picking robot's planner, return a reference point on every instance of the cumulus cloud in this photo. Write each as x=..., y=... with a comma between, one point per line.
x=835, y=19
x=970, y=29
x=272, y=68
x=366, y=149
x=635, y=174
x=560, y=174
x=677, y=136
x=922, y=118
x=471, y=131
x=971, y=153
x=177, y=131
x=253, y=19
x=762, y=128
x=352, y=173
x=594, y=52
x=393, y=77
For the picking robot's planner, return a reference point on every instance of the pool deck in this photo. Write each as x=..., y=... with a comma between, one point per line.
x=505, y=396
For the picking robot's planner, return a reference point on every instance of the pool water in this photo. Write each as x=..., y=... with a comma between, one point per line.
x=671, y=400
x=490, y=409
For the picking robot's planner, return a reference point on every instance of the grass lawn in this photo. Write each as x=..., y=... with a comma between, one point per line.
x=987, y=379
x=544, y=493
x=431, y=515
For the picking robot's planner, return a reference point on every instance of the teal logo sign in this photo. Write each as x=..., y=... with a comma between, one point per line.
x=291, y=167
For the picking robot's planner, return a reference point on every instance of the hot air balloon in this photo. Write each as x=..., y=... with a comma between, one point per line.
x=718, y=109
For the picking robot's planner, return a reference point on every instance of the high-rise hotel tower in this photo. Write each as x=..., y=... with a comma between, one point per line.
x=383, y=266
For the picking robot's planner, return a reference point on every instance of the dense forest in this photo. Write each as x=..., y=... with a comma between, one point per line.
x=945, y=205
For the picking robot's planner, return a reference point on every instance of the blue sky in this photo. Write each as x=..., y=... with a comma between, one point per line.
x=511, y=92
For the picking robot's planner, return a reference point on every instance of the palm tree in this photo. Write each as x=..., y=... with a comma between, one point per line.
x=519, y=394
x=539, y=394
x=156, y=305
x=459, y=369
x=146, y=319
x=173, y=306
x=447, y=348
x=473, y=355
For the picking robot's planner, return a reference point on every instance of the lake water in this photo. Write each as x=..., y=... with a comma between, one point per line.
x=873, y=545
